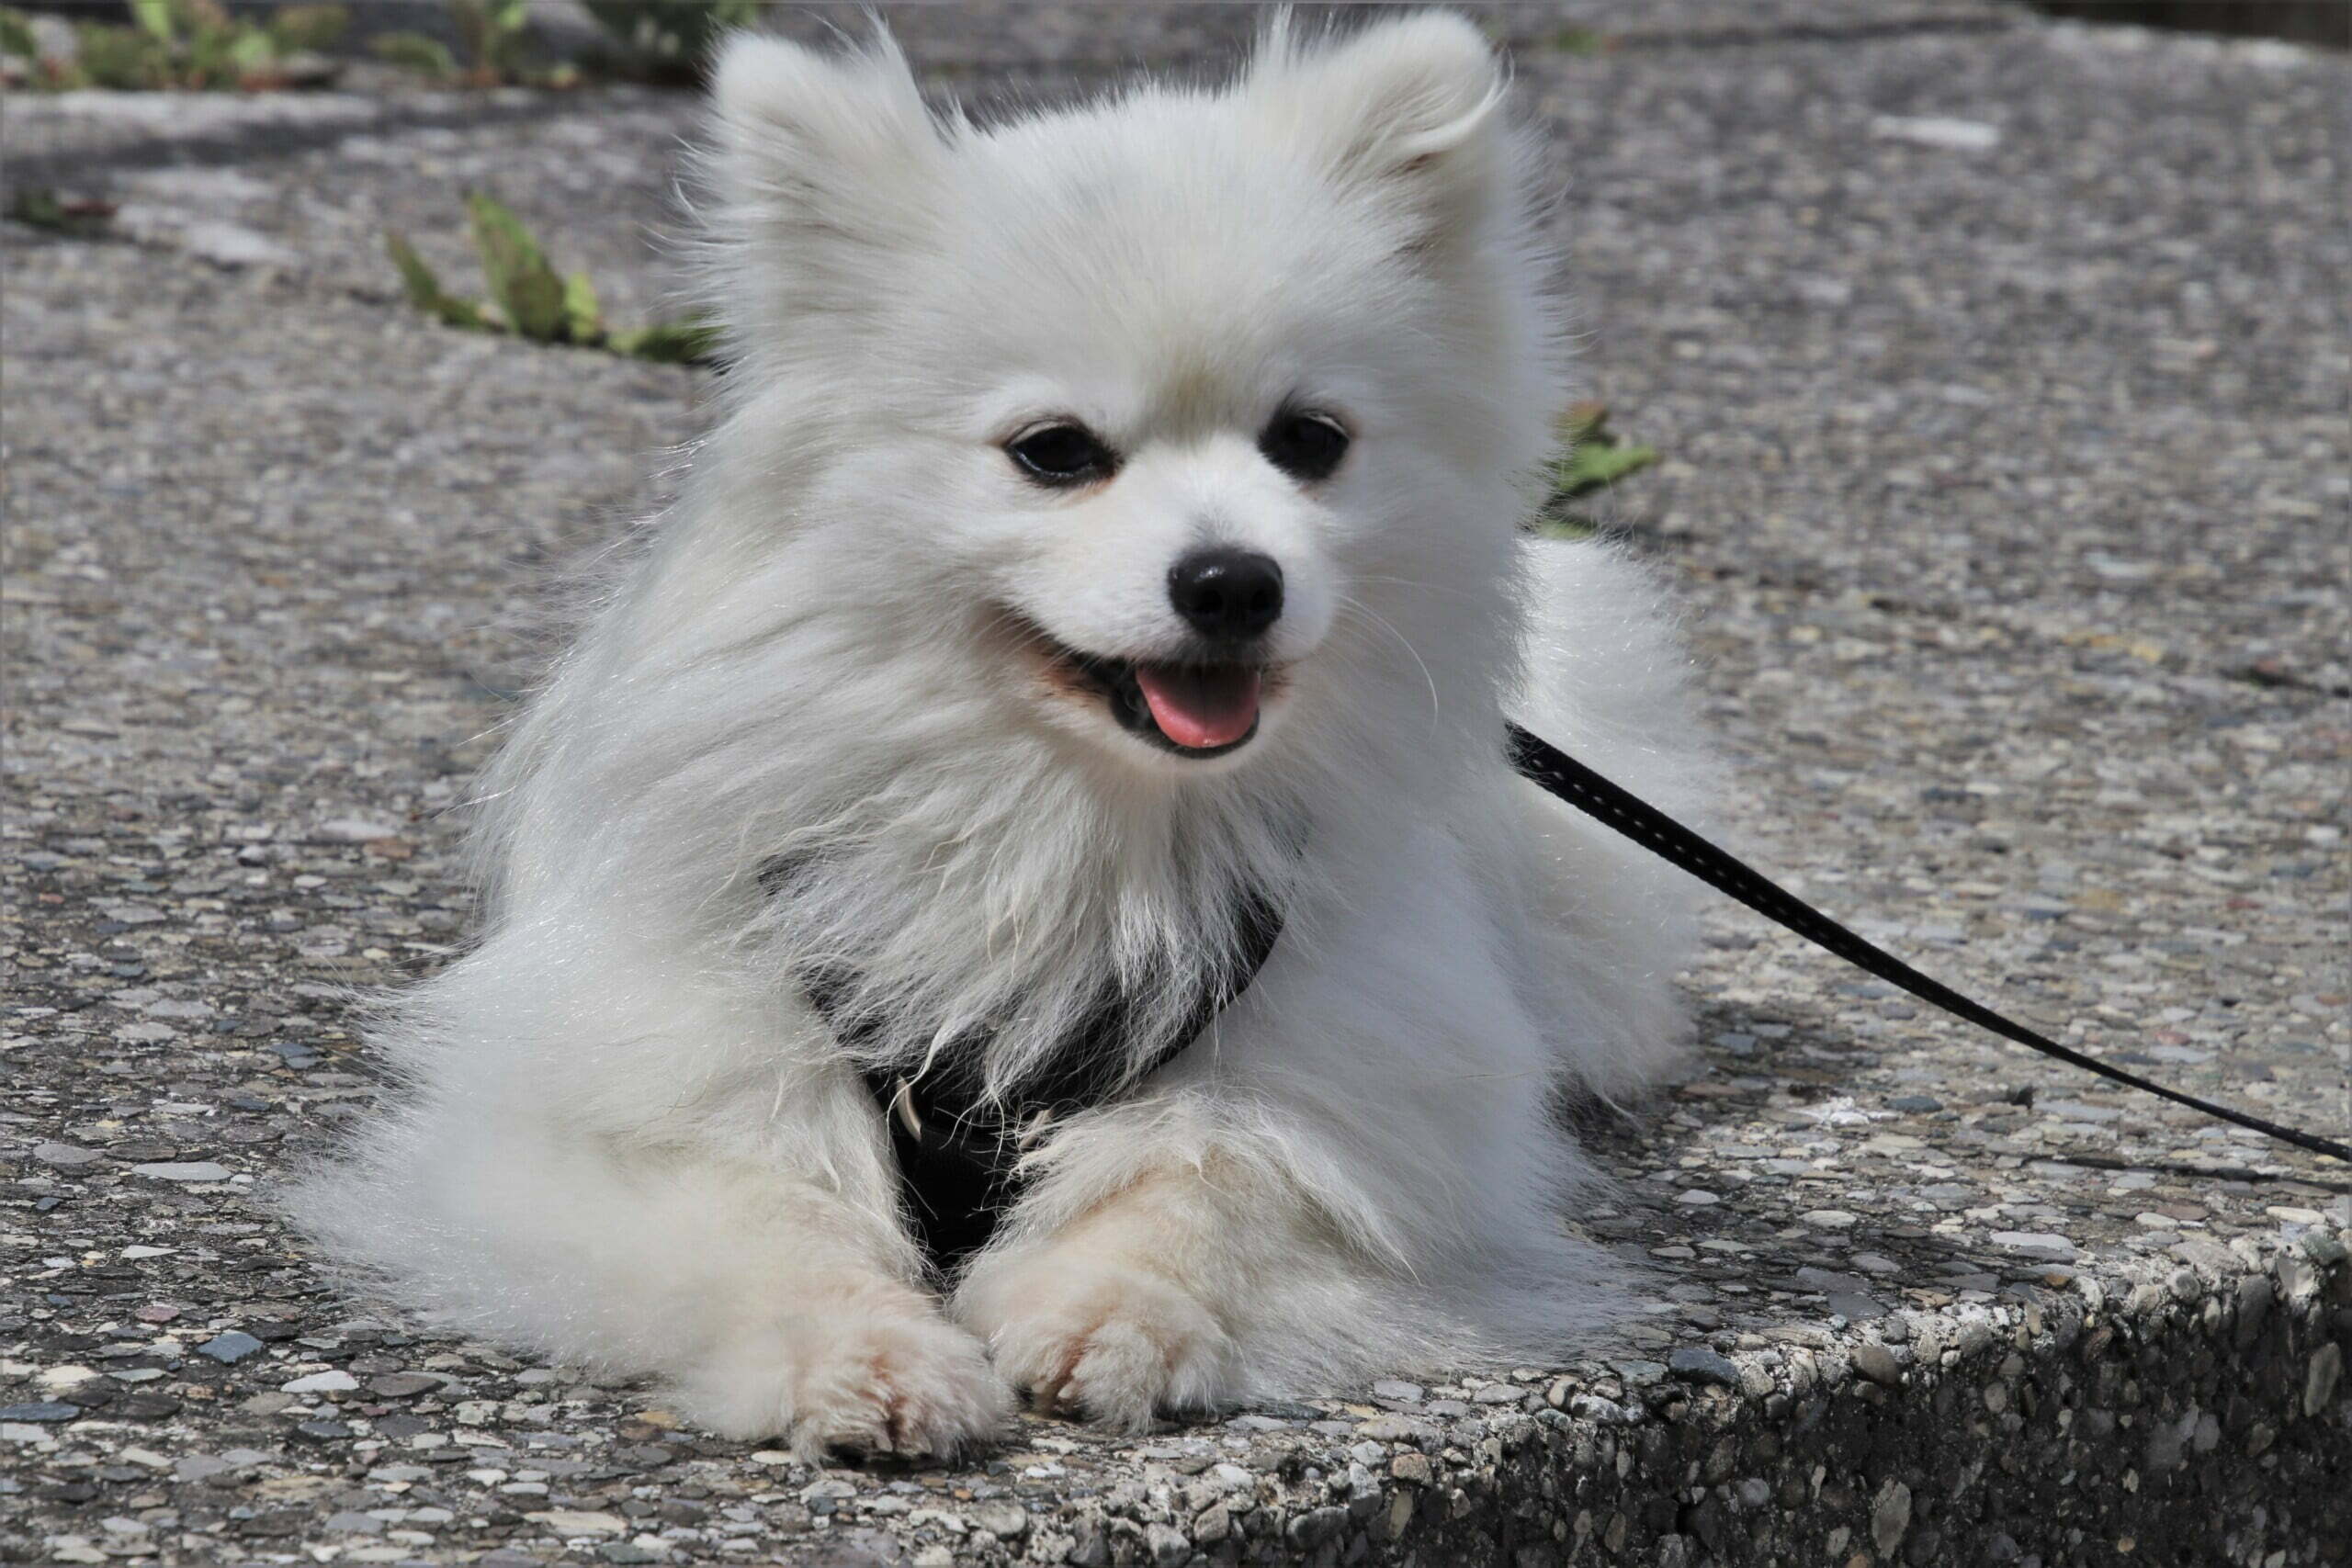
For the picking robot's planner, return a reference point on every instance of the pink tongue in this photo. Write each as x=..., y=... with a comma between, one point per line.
x=1199, y=708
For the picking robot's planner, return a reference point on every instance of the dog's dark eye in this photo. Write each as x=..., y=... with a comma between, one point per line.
x=1305, y=446
x=1061, y=455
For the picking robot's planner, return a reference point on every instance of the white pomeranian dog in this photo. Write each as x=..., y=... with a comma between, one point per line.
x=1083, y=653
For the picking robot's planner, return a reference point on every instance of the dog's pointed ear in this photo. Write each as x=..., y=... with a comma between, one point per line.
x=838, y=145
x=1411, y=109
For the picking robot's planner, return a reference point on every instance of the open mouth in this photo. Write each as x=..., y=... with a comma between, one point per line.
x=1193, y=709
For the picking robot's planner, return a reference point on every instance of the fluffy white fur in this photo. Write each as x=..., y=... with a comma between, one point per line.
x=626, y=1141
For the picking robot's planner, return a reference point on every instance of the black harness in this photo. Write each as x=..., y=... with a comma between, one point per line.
x=957, y=1147
x=957, y=1150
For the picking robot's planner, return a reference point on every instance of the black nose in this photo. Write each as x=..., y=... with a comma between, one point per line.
x=1227, y=593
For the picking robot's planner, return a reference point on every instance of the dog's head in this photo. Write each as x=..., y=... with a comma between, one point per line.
x=1167, y=422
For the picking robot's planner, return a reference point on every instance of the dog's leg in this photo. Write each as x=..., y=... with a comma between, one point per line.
x=1113, y=1316
x=1177, y=1292
x=764, y=1279
x=858, y=1364
x=820, y=1344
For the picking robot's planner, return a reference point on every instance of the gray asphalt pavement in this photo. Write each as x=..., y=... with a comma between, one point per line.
x=1999, y=367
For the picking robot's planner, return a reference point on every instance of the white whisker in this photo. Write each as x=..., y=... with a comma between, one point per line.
x=1349, y=601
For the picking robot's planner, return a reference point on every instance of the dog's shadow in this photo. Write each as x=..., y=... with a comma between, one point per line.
x=1773, y=1193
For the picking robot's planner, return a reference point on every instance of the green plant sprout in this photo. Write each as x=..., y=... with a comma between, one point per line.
x=493, y=40
x=184, y=44
x=668, y=39
x=1593, y=457
x=530, y=300
x=41, y=207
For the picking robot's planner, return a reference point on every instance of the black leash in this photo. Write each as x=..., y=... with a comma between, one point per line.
x=1546, y=765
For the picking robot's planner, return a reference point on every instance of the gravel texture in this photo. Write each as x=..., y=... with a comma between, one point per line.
x=2000, y=369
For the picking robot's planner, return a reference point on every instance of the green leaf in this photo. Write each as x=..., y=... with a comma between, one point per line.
x=637, y=27
x=689, y=340
x=17, y=36
x=473, y=28
x=1593, y=456
x=119, y=57
x=251, y=52
x=82, y=216
x=424, y=287
x=39, y=206
x=522, y=282
x=490, y=33
x=293, y=27
x=414, y=51
x=1599, y=464
x=1567, y=525
x=670, y=37
x=154, y=18
x=583, y=320
x=1583, y=422
x=202, y=61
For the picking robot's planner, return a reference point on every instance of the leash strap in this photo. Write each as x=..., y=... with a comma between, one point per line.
x=1546, y=765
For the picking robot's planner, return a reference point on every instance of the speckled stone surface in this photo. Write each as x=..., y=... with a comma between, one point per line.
x=2000, y=369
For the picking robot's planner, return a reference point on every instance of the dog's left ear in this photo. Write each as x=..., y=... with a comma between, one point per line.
x=1409, y=110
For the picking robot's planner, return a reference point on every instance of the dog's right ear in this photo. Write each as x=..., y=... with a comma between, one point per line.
x=1407, y=108
x=819, y=160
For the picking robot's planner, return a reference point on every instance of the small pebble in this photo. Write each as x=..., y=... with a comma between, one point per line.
x=1877, y=1363
x=185, y=1171
x=41, y=1410
x=230, y=1347
x=1004, y=1520
x=402, y=1386
x=1696, y=1364
x=2038, y=1244
x=334, y=1380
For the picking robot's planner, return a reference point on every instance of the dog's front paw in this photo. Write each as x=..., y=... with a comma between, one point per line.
x=1104, y=1340
x=871, y=1381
